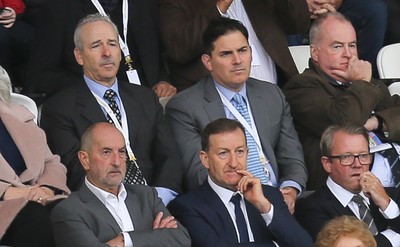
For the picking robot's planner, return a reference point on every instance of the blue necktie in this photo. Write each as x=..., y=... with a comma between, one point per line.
x=240, y=221
x=254, y=165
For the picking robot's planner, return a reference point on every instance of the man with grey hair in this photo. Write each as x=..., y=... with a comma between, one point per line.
x=339, y=88
x=52, y=67
x=351, y=189
x=100, y=97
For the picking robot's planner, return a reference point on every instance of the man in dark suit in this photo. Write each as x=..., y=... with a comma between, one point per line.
x=52, y=65
x=346, y=158
x=210, y=213
x=182, y=23
x=228, y=56
x=105, y=212
x=66, y=116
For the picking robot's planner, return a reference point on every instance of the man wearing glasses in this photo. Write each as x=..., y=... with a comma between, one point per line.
x=351, y=189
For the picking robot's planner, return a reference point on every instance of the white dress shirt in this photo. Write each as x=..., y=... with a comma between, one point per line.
x=345, y=198
x=225, y=195
x=262, y=66
x=117, y=208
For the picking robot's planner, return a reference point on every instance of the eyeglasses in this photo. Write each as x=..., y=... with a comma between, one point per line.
x=348, y=159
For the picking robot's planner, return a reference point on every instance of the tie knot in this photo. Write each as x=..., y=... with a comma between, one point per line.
x=236, y=199
x=238, y=99
x=109, y=94
x=358, y=199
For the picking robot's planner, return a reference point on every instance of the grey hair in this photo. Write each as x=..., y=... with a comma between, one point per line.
x=90, y=19
x=348, y=128
x=315, y=29
x=5, y=86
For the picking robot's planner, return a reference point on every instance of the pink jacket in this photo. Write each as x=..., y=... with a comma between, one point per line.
x=43, y=168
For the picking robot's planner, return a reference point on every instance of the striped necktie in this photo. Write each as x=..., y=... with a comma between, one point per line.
x=365, y=214
x=254, y=165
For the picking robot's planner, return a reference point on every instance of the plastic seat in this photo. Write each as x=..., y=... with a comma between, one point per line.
x=388, y=63
x=301, y=55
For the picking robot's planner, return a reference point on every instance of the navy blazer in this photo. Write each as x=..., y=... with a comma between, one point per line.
x=209, y=224
x=315, y=210
x=68, y=114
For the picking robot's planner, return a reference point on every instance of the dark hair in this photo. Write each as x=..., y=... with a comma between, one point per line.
x=219, y=27
x=348, y=128
x=222, y=125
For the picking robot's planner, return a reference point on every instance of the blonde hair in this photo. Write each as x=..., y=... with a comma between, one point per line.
x=344, y=226
x=5, y=86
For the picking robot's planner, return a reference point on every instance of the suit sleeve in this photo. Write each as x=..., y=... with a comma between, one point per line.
x=187, y=135
x=288, y=152
x=163, y=237
x=202, y=231
x=169, y=170
x=70, y=229
x=293, y=15
x=285, y=228
x=182, y=27
x=63, y=139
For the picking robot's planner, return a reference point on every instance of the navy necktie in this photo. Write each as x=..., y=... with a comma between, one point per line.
x=240, y=221
x=133, y=174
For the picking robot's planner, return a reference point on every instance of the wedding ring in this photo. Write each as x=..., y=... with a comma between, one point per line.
x=39, y=199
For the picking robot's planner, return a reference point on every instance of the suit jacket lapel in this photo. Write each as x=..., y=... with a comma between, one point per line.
x=336, y=205
x=91, y=110
x=218, y=212
x=132, y=110
x=134, y=208
x=213, y=104
x=98, y=208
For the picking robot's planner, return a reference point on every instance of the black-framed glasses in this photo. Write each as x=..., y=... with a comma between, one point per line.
x=348, y=159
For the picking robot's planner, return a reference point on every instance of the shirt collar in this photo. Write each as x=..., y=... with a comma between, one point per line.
x=222, y=192
x=344, y=196
x=104, y=195
x=99, y=89
x=229, y=93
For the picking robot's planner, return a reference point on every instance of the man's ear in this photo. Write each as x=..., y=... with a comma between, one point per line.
x=326, y=164
x=204, y=159
x=84, y=159
x=78, y=56
x=206, y=59
x=314, y=52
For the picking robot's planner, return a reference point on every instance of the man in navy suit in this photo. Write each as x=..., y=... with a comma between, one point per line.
x=347, y=159
x=208, y=213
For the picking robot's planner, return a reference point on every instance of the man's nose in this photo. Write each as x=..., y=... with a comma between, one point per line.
x=236, y=58
x=105, y=51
